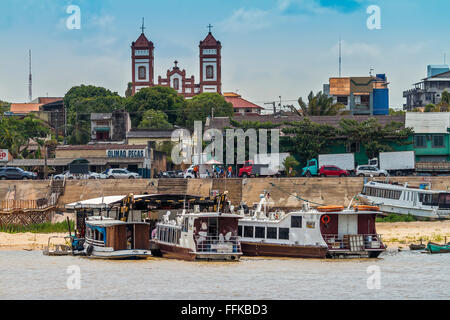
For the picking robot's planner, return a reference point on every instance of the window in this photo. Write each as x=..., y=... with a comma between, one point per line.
x=142, y=73
x=296, y=222
x=240, y=231
x=209, y=72
x=283, y=234
x=271, y=233
x=438, y=141
x=176, y=83
x=260, y=232
x=353, y=147
x=343, y=100
x=248, y=232
x=419, y=141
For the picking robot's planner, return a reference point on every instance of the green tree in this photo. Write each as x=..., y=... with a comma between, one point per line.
x=129, y=91
x=204, y=105
x=430, y=108
x=154, y=119
x=17, y=134
x=157, y=98
x=320, y=105
x=307, y=139
x=374, y=136
x=290, y=162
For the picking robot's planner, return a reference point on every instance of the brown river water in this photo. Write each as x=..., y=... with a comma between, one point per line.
x=402, y=275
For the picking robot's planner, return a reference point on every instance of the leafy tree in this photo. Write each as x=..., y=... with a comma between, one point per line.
x=129, y=91
x=154, y=119
x=373, y=135
x=430, y=108
x=290, y=162
x=246, y=124
x=320, y=105
x=203, y=105
x=157, y=98
x=307, y=139
x=16, y=135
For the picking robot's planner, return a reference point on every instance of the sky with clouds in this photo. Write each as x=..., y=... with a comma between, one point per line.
x=271, y=48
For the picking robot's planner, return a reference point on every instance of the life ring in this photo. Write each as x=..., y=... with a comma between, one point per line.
x=366, y=208
x=325, y=219
x=330, y=208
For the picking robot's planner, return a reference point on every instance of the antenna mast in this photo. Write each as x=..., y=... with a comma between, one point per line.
x=30, y=81
x=340, y=58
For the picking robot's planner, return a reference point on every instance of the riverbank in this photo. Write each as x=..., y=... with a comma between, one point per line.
x=395, y=235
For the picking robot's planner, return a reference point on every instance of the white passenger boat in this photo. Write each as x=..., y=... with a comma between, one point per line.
x=403, y=199
x=327, y=231
x=108, y=238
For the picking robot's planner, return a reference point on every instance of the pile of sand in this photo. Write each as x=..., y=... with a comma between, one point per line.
x=27, y=241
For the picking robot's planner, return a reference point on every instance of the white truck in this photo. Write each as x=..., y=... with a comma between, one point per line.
x=345, y=161
x=264, y=164
x=398, y=163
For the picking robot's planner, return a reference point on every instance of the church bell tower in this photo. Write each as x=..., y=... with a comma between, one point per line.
x=142, y=62
x=210, y=64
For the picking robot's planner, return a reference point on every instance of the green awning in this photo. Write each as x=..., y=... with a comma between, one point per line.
x=102, y=129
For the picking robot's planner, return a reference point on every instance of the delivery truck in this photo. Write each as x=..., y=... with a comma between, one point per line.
x=271, y=164
x=344, y=161
x=398, y=163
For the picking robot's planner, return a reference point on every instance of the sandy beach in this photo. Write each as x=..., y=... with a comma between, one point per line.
x=394, y=235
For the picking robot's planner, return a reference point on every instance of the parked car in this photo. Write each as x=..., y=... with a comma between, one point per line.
x=367, y=171
x=67, y=175
x=13, y=173
x=95, y=175
x=121, y=174
x=332, y=171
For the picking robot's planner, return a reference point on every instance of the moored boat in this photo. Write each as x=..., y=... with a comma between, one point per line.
x=438, y=248
x=329, y=231
x=207, y=236
x=108, y=238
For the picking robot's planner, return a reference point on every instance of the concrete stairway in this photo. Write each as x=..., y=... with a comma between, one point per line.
x=173, y=186
x=233, y=186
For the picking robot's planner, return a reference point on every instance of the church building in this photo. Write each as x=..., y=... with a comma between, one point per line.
x=143, y=59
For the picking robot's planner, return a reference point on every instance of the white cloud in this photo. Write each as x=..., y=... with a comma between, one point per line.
x=246, y=20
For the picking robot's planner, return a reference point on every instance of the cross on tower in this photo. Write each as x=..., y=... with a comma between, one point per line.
x=176, y=63
x=210, y=27
x=143, y=27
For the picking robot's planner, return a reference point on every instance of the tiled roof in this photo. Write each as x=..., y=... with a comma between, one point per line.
x=24, y=108
x=239, y=103
x=142, y=41
x=150, y=133
x=209, y=40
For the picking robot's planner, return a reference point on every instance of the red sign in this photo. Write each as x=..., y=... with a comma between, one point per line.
x=4, y=155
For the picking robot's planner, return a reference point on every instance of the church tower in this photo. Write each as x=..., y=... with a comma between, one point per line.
x=142, y=63
x=210, y=64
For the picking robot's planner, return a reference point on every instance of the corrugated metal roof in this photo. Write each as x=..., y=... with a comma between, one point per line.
x=150, y=133
x=428, y=122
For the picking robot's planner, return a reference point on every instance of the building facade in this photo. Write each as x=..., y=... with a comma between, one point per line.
x=143, y=60
x=240, y=105
x=110, y=126
x=429, y=90
x=360, y=95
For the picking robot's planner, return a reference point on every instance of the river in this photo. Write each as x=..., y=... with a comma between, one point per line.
x=395, y=275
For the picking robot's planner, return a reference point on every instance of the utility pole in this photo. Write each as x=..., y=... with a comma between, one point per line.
x=274, y=107
x=340, y=58
x=30, y=81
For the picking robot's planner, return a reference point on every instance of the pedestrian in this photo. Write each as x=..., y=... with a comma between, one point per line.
x=196, y=171
x=230, y=169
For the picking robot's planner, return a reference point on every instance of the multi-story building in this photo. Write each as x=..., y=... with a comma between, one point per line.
x=360, y=95
x=429, y=90
x=431, y=135
x=110, y=126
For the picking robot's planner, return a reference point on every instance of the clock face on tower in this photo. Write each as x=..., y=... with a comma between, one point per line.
x=209, y=51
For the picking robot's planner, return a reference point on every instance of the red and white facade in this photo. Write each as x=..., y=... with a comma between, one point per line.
x=210, y=69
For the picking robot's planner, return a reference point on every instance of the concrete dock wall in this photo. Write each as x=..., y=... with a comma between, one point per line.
x=326, y=191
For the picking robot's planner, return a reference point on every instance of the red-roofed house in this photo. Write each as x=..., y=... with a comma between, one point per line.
x=24, y=108
x=240, y=105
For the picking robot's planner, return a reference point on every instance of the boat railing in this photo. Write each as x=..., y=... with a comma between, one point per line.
x=216, y=244
x=98, y=243
x=369, y=241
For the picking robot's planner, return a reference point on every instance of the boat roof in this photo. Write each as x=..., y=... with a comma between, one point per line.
x=392, y=186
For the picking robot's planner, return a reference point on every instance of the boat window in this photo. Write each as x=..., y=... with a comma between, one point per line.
x=444, y=200
x=296, y=221
x=283, y=233
x=248, y=231
x=271, y=233
x=260, y=232
x=185, y=224
x=240, y=231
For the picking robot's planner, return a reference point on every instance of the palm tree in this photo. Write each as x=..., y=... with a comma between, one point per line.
x=320, y=105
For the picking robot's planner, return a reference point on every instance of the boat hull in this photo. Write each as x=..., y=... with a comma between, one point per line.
x=276, y=250
x=120, y=254
x=438, y=248
x=177, y=252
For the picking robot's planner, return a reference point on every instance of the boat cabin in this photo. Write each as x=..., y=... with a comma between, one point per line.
x=117, y=235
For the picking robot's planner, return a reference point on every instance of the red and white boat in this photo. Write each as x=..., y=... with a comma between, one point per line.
x=323, y=232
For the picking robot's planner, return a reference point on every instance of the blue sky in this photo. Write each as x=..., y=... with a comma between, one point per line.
x=270, y=48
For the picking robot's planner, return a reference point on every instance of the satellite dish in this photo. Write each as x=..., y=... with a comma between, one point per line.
x=221, y=238
x=204, y=226
x=228, y=236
